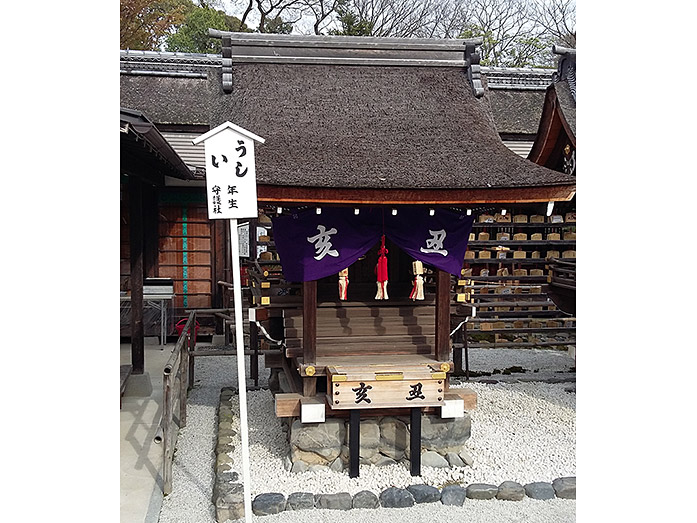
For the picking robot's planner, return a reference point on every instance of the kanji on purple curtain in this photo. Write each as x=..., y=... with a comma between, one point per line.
x=439, y=240
x=312, y=246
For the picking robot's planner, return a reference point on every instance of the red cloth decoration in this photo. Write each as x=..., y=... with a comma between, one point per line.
x=381, y=271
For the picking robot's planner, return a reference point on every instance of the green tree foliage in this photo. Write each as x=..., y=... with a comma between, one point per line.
x=145, y=23
x=522, y=51
x=192, y=35
x=351, y=23
x=278, y=26
x=488, y=41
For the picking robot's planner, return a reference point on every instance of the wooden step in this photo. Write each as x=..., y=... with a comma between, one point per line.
x=363, y=329
x=367, y=312
x=362, y=351
x=388, y=341
x=297, y=322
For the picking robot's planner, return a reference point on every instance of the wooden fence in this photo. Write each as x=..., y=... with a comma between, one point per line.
x=176, y=384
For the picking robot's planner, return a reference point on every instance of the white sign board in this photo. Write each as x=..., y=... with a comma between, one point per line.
x=243, y=235
x=231, y=184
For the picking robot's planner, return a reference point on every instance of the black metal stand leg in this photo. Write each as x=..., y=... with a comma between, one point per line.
x=254, y=358
x=354, y=442
x=415, y=441
x=467, y=358
x=457, y=361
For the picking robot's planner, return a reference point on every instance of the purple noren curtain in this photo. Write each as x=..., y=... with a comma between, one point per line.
x=312, y=246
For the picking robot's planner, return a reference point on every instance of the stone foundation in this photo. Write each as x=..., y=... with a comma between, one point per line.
x=383, y=441
x=380, y=438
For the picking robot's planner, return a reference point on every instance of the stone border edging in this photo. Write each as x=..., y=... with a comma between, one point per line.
x=228, y=496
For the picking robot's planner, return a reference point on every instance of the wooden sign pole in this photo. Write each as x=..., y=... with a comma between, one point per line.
x=241, y=371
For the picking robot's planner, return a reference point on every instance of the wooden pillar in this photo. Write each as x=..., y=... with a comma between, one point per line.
x=415, y=442
x=442, y=315
x=220, y=258
x=309, y=322
x=354, y=442
x=309, y=386
x=151, y=232
x=135, y=190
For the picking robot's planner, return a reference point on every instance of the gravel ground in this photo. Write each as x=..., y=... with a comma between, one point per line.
x=520, y=432
x=543, y=360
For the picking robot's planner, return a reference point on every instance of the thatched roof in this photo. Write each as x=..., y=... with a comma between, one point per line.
x=334, y=117
x=372, y=127
x=516, y=112
x=166, y=99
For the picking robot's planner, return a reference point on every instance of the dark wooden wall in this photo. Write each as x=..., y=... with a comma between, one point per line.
x=362, y=278
x=186, y=253
x=180, y=243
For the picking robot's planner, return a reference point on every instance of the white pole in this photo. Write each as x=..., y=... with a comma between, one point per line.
x=241, y=371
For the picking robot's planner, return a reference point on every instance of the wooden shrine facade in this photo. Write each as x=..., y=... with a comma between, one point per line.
x=357, y=123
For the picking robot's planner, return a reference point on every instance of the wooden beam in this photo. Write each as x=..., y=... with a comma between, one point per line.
x=309, y=386
x=344, y=42
x=442, y=316
x=135, y=196
x=309, y=322
x=292, y=376
x=336, y=60
x=275, y=194
x=272, y=359
x=287, y=405
x=468, y=395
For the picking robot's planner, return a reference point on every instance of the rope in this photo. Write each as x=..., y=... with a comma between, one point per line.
x=266, y=335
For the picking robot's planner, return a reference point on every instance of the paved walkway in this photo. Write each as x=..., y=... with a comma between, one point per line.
x=141, y=458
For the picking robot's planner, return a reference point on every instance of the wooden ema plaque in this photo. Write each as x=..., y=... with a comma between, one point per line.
x=386, y=387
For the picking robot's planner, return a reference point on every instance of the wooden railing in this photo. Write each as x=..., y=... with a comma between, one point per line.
x=175, y=387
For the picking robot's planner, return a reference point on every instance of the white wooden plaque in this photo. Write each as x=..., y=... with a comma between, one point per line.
x=231, y=185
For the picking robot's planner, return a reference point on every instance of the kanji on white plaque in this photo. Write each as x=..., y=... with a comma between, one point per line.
x=231, y=185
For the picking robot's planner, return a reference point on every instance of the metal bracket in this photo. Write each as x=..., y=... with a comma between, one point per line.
x=474, y=72
x=566, y=67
